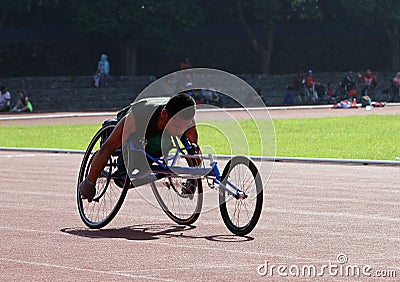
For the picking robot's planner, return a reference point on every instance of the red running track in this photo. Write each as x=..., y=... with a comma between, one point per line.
x=313, y=215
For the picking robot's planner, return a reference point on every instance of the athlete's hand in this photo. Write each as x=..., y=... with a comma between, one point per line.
x=197, y=151
x=87, y=189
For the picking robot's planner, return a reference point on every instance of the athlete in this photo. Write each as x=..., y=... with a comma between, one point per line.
x=144, y=124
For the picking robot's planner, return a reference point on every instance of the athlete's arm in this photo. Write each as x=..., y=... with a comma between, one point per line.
x=193, y=137
x=124, y=128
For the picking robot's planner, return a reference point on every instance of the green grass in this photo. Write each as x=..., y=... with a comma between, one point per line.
x=75, y=137
x=362, y=137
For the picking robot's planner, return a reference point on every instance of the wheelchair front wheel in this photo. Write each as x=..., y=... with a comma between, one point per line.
x=241, y=215
x=110, y=191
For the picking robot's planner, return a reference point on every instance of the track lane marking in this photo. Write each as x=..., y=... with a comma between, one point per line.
x=117, y=273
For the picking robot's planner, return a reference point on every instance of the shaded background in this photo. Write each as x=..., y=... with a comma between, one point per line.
x=149, y=37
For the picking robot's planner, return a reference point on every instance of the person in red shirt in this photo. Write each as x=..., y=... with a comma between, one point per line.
x=396, y=84
x=185, y=64
x=370, y=82
x=310, y=81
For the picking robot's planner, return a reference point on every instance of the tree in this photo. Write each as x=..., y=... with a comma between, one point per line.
x=14, y=8
x=382, y=12
x=147, y=23
x=267, y=13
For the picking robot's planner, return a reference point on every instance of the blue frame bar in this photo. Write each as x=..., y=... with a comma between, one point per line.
x=161, y=170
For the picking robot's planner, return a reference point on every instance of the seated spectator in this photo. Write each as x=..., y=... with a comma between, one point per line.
x=210, y=96
x=23, y=104
x=331, y=90
x=103, y=69
x=288, y=100
x=5, y=99
x=310, y=83
x=185, y=64
x=299, y=80
x=349, y=86
x=396, y=85
x=330, y=97
x=96, y=79
x=207, y=95
x=369, y=80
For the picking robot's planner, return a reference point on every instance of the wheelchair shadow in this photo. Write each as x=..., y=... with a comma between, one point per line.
x=144, y=232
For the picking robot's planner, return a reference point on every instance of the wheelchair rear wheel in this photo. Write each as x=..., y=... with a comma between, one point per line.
x=110, y=190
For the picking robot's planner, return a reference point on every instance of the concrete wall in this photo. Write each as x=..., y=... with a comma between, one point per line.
x=78, y=94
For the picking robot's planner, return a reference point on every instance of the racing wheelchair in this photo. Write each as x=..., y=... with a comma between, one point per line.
x=172, y=175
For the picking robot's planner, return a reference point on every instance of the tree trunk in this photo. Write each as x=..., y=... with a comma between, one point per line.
x=129, y=57
x=393, y=36
x=263, y=52
x=3, y=17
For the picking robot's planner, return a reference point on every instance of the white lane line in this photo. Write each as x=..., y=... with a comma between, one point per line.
x=49, y=116
x=200, y=267
x=38, y=193
x=115, y=273
x=30, y=155
x=368, y=217
x=292, y=198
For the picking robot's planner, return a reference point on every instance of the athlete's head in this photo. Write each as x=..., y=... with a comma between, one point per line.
x=182, y=105
x=180, y=111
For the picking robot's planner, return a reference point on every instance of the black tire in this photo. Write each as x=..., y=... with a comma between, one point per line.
x=241, y=215
x=180, y=208
x=110, y=192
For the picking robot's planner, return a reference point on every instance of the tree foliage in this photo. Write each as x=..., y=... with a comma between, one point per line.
x=156, y=24
x=148, y=22
x=385, y=13
x=11, y=9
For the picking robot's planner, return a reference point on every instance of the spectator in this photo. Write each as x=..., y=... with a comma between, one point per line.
x=298, y=81
x=185, y=64
x=369, y=80
x=396, y=85
x=23, y=104
x=331, y=90
x=310, y=82
x=5, y=99
x=330, y=96
x=349, y=86
x=96, y=79
x=103, y=69
x=210, y=96
x=289, y=96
